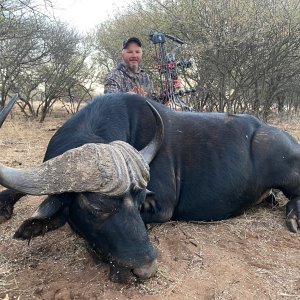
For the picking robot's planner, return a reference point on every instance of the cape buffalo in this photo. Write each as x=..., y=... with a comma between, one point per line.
x=203, y=166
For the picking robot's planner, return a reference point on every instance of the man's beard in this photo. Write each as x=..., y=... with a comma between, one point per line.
x=133, y=67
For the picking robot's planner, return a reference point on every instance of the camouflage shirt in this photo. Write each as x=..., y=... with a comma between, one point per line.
x=122, y=80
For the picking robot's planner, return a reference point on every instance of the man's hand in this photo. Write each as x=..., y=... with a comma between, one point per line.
x=177, y=83
x=137, y=90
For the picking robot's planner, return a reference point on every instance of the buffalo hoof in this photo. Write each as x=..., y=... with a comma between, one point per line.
x=271, y=199
x=293, y=224
x=123, y=275
x=29, y=229
x=293, y=215
x=6, y=211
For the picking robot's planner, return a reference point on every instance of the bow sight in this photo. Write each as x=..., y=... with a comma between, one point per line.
x=170, y=85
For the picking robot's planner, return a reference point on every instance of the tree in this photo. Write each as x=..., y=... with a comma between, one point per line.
x=245, y=53
x=20, y=47
x=42, y=59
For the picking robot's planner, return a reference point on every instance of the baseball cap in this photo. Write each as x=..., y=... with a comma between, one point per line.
x=131, y=40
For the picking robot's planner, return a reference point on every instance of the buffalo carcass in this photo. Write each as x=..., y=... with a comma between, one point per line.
x=209, y=166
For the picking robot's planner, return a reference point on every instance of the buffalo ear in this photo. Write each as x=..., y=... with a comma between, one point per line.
x=52, y=213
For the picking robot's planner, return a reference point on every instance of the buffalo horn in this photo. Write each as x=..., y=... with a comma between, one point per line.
x=109, y=169
x=152, y=148
x=5, y=111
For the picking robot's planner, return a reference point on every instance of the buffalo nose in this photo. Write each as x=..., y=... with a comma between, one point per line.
x=146, y=271
x=123, y=274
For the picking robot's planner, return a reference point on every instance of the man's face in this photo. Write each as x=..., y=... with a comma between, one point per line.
x=132, y=56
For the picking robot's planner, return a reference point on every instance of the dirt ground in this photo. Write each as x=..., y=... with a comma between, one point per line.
x=253, y=256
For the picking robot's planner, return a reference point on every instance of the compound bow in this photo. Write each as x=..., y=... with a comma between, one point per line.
x=167, y=66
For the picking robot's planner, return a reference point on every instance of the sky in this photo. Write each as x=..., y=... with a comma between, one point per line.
x=85, y=14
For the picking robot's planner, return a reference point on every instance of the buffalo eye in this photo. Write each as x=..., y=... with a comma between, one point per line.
x=100, y=204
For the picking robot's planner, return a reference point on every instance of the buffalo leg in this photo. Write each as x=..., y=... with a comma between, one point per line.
x=293, y=214
x=8, y=198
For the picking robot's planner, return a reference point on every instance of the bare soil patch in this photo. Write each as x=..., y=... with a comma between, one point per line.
x=249, y=257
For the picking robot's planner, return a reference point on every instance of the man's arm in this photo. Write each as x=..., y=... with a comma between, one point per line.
x=114, y=82
x=111, y=86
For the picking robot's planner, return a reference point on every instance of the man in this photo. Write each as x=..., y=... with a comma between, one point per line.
x=128, y=77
